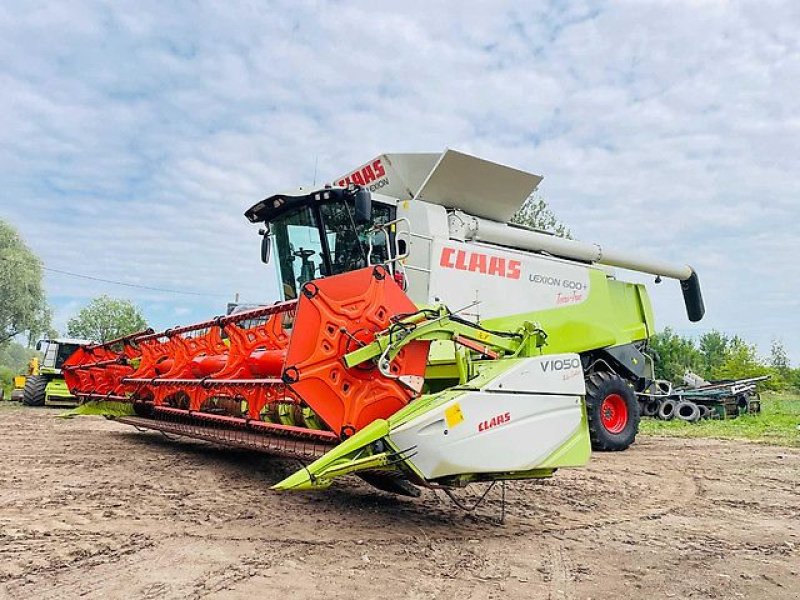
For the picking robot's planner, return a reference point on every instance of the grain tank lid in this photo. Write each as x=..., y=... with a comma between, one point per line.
x=478, y=187
x=451, y=179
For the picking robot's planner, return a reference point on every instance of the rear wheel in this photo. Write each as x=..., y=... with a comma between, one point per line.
x=612, y=411
x=34, y=392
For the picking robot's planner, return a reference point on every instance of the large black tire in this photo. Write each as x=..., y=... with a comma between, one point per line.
x=667, y=409
x=33, y=394
x=687, y=411
x=650, y=408
x=612, y=410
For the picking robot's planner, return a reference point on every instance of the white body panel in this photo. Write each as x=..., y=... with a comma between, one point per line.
x=450, y=179
x=502, y=282
x=397, y=175
x=498, y=430
x=499, y=281
x=552, y=374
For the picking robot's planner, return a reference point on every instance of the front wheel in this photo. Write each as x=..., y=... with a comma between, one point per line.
x=612, y=411
x=35, y=390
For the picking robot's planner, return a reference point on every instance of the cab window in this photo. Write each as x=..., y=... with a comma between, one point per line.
x=347, y=241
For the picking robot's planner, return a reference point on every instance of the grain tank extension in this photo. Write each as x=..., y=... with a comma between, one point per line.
x=421, y=339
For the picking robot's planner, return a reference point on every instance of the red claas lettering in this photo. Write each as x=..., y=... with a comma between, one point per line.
x=365, y=175
x=477, y=262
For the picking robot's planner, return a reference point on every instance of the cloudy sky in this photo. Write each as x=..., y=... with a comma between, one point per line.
x=134, y=135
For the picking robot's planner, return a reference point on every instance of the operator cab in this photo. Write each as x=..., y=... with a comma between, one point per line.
x=320, y=233
x=56, y=352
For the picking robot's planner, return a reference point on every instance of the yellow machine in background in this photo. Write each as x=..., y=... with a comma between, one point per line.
x=19, y=381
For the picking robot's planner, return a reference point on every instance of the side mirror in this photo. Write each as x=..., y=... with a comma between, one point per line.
x=39, y=346
x=363, y=206
x=266, y=245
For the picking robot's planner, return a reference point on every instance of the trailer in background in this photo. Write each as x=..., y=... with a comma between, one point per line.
x=701, y=399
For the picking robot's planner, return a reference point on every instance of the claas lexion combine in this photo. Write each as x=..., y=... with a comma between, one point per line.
x=421, y=341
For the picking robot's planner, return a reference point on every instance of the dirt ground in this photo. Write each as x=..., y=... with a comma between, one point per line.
x=93, y=509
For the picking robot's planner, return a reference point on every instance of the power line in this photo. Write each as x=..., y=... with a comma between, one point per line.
x=132, y=285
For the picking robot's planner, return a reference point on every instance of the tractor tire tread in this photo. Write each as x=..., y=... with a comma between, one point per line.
x=34, y=392
x=601, y=439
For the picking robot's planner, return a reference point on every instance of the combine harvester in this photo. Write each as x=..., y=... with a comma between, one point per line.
x=422, y=340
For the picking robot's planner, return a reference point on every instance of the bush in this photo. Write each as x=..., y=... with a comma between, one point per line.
x=6, y=378
x=717, y=356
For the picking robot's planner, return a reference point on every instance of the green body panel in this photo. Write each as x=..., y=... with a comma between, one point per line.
x=614, y=313
x=57, y=393
x=575, y=452
x=351, y=455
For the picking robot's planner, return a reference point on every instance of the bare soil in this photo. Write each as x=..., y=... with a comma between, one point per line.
x=93, y=509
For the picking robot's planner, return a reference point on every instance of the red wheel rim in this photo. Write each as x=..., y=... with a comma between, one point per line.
x=614, y=413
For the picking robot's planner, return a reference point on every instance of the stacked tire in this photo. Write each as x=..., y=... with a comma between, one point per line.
x=683, y=410
x=687, y=411
x=666, y=410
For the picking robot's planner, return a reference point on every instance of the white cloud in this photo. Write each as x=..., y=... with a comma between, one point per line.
x=132, y=137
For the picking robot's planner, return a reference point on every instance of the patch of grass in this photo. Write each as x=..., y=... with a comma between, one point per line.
x=777, y=424
x=103, y=408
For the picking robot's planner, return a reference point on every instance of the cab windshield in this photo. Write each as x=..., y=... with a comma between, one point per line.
x=57, y=353
x=323, y=239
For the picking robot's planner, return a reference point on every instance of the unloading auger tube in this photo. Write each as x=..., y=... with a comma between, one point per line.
x=473, y=228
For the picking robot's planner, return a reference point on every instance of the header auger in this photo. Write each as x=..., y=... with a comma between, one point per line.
x=420, y=339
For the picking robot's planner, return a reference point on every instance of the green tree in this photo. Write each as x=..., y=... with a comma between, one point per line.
x=105, y=319
x=742, y=362
x=779, y=364
x=794, y=378
x=16, y=356
x=778, y=359
x=536, y=214
x=14, y=359
x=713, y=347
x=23, y=306
x=674, y=354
